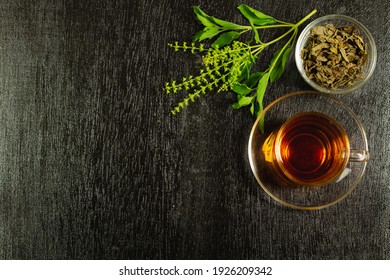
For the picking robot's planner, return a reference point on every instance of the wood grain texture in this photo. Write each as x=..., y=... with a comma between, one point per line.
x=93, y=166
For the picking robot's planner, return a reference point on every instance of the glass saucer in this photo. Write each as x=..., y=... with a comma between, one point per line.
x=283, y=190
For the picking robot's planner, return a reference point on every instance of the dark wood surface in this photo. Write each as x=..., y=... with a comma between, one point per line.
x=93, y=166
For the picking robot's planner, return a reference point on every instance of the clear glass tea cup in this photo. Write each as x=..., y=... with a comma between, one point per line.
x=311, y=151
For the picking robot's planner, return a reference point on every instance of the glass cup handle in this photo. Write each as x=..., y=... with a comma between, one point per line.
x=359, y=155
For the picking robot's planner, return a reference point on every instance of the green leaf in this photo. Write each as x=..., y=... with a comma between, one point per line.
x=226, y=24
x=204, y=18
x=197, y=35
x=278, y=62
x=261, y=122
x=210, y=21
x=252, y=109
x=225, y=39
x=256, y=34
x=259, y=97
x=241, y=89
x=261, y=90
x=253, y=79
x=254, y=16
x=208, y=33
x=244, y=101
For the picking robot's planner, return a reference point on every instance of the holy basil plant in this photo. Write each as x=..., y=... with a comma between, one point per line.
x=227, y=62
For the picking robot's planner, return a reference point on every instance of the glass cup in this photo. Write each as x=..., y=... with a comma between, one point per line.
x=311, y=152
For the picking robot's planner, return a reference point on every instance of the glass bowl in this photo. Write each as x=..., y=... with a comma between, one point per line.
x=287, y=192
x=338, y=21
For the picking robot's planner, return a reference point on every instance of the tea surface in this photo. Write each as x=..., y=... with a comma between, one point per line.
x=311, y=148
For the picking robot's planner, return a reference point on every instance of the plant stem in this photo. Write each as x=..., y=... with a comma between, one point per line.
x=292, y=38
x=306, y=17
x=247, y=27
x=294, y=27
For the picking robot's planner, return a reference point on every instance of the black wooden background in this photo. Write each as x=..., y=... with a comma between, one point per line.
x=93, y=166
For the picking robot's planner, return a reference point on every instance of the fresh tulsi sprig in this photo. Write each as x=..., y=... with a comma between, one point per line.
x=228, y=62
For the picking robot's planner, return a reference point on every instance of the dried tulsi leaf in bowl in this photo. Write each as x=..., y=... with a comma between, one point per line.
x=334, y=56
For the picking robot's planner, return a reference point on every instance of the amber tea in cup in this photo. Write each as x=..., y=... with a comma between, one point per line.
x=308, y=150
x=311, y=149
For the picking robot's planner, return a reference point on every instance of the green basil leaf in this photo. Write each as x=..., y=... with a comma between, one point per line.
x=208, y=33
x=253, y=79
x=197, y=35
x=244, y=101
x=278, y=63
x=256, y=33
x=225, y=39
x=261, y=121
x=226, y=24
x=204, y=18
x=210, y=21
x=241, y=89
x=259, y=97
x=254, y=16
x=252, y=109
x=261, y=90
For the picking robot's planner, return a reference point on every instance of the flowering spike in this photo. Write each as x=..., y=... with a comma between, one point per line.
x=176, y=46
x=192, y=97
x=193, y=47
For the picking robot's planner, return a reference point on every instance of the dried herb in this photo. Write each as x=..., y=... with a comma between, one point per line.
x=334, y=56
